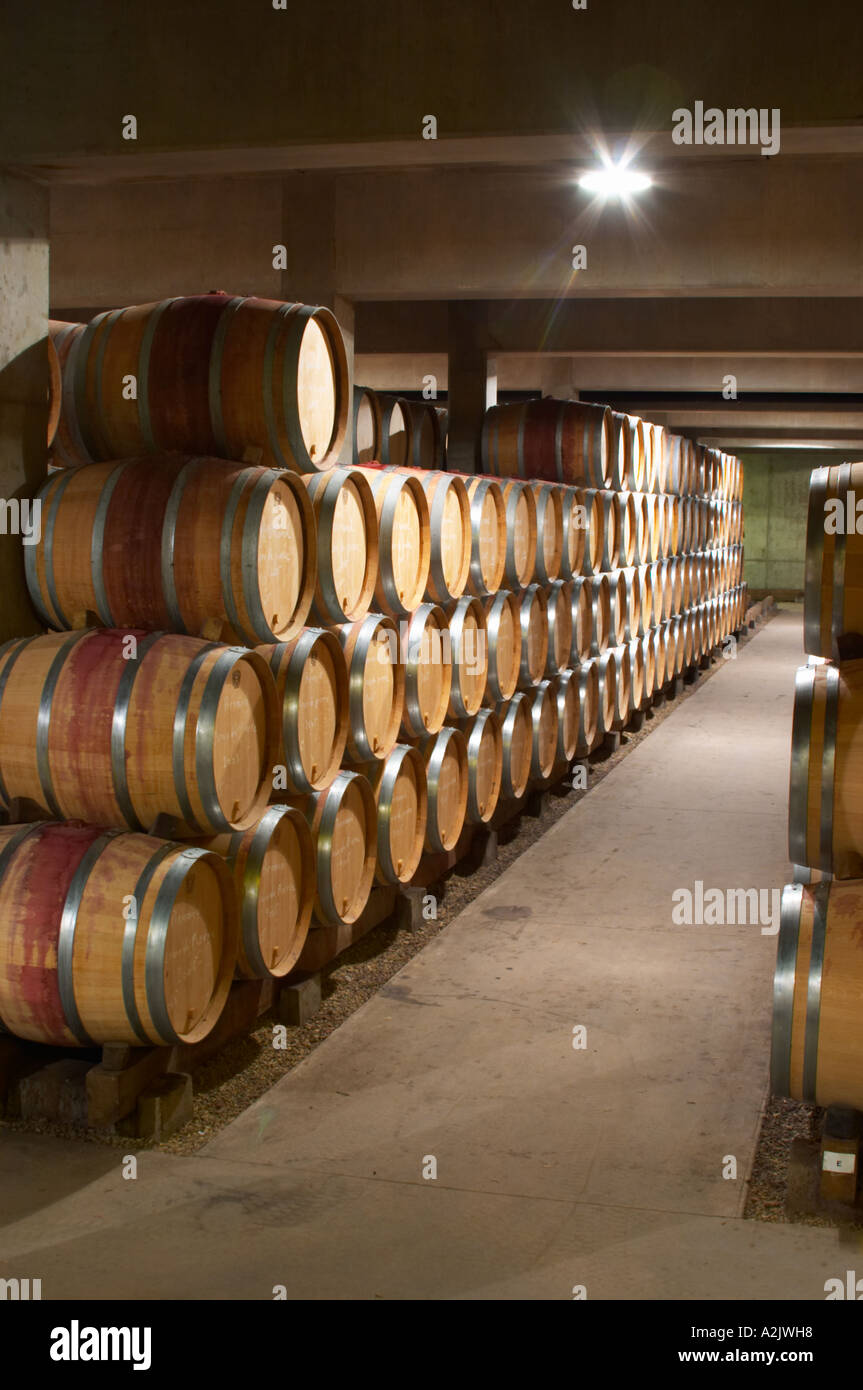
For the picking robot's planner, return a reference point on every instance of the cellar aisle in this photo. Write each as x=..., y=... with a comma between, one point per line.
x=556, y=1165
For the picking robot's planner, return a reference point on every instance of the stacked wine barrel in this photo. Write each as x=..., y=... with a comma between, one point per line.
x=398, y=432
x=817, y=1053
x=268, y=682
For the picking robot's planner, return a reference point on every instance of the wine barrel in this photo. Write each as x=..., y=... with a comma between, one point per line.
x=825, y=821
x=587, y=675
x=559, y=600
x=635, y=650
x=568, y=715
x=343, y=822
x=670, y=638
x=582, y=620
x=557, y=441
x=376, y=686
x=544, y=726
x=347, y=526
x=484, y=765
x=468, y=630
x=517, y=738
x=396, y=443
x=629, y=523
x=618, y=605
x=574, y=519
x=273, y=864
x=594, y=533
x=601, y=614
x=172, y=542
x=645, y=589
x=488, y=535
x=520, y=502
x=66, y=447
x=648, y=651
x=503, y=622
x=620, y=679
x=446, y=762
x=367, y=426
x=606, y=670
x=449, y=512
x=312, y=684
x=816, y=1045
x=118, y=727
x=833, y=588
x=549, y=531
x=111, y=937
x=404, y=540
x=612, y=525
x=428, y=671
x=660, y=657
x=425, y=434
x=399, y=787
x=235, y=377
x=533, y=618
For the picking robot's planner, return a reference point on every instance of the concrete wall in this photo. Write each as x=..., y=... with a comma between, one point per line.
x=775, y=493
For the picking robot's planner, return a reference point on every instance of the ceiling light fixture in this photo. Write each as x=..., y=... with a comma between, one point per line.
x=614, y=181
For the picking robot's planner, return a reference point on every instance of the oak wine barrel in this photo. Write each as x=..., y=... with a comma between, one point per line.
x=396, y=443
x=568, y=715
x=833, y=590
x=367, y=426
x=593, y=517
x=521, y=535
x=312, y=684
x=376, y=686
x=347, y=527
x=484, y=765
x=587, y=675
x=600, y=605
x=427, y=658
x=235, y=377
x=66, y=447
x=450, y=523
x=117, y=728
x=582, y=619
x=112, y=937
x=343, y=822
x=503, y=626
x=817, y=1040
x=545, y=727
x=399, y=787
x=556, y=441
x=517, y=738
x=404, y=539
x=549, y=531
x=533, y=618
x=488, y=535
x=446, y=762
x=170, y=542
x=468, y=630
x=559, y=601
x=273, y=864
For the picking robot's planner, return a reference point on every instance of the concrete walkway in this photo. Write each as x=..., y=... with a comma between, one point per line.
x=557, y=1166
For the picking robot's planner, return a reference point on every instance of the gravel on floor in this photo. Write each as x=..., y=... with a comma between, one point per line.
x=247, y=1067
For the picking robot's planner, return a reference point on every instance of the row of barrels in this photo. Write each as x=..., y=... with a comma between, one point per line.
x=113, y=935
x=258, y=552
x=817, y=1045
x=591, y=445
x=396, y=432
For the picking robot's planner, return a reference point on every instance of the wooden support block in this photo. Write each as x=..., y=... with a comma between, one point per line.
x=113, y=1094
x=840, y=1154
x=487, y=843
x=164, y=1107
x=704, y=663
x=690, y=675
x=325, y=942
x=409, y=909
x=56, y=1092
x=536, y=803
x=636, y=721
x=300, y=1000
x=611, y=742
x=676, y=687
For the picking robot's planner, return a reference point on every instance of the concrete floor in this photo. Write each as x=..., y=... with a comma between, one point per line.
x=556, y=1167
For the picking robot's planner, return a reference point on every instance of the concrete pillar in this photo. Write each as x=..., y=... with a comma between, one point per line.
x=24, y=381
x=311, y=275
x=472, y=384
x=557, y=378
